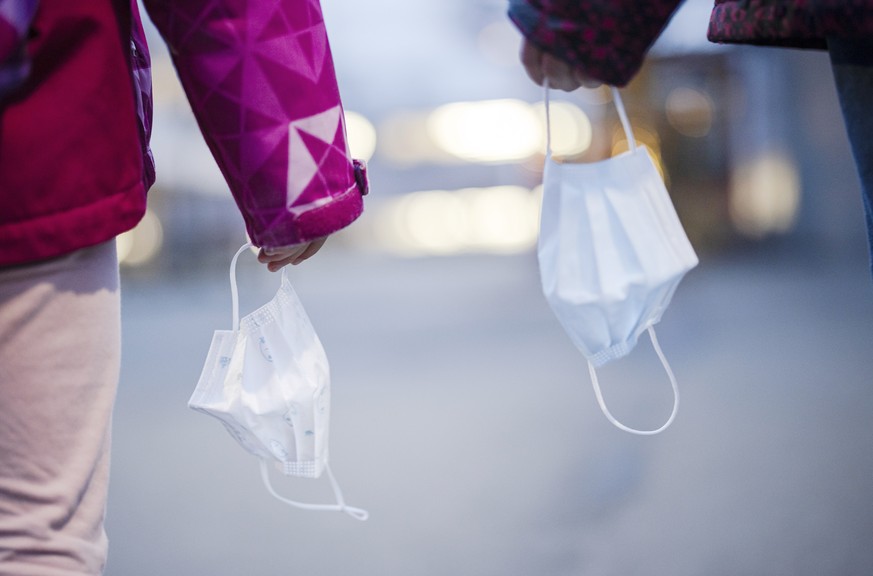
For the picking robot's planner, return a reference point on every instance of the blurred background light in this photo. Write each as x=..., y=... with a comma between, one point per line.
x=404, y=141
x=141, y=244
x=500, y=42
x=572, y=131
x=484, y=132
x=765, y=195
x=361, y=135
x=490, y=131
x=646, y=137
x=689, y=112
x=642, y=135
x=504, y=219
x=495, y=220
x=428, y=222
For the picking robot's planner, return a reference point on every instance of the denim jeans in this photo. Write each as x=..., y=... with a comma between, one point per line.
x=852, y=62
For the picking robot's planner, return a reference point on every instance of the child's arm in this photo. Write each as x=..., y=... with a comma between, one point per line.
x=261, y=82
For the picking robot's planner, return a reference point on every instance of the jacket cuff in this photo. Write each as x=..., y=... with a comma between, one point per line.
x=342, y=209
x=523, y=15
x=607, y=42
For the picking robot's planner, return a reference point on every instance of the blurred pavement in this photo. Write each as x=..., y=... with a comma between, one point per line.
x=463, y=419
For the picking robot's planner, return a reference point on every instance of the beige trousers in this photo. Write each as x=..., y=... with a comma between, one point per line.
x=59, y=366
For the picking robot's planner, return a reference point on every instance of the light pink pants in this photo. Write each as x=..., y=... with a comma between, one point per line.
x=59, y=368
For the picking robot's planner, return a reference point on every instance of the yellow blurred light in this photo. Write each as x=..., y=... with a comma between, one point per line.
x=435, y=222
x=689, y=112
x=572, y=131
x=765, y=195
x=489, y=131
x=361, y=135
x=501, y=219
x=404, y=140
x=504, y=219
x=641, y=135
x=141, y=244
x=428, y=222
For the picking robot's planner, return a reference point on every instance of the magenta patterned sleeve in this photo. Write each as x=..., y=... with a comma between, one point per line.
x=260, y=79
x=800, y=24
x=606, y=39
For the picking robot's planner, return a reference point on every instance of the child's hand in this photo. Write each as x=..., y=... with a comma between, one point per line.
x=277, y=258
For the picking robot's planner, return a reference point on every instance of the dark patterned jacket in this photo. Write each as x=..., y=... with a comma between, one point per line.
x=608, y=39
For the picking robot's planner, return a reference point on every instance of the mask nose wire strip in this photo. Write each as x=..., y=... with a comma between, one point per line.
x=340, y=506
x=667, y=369
x=234, y=291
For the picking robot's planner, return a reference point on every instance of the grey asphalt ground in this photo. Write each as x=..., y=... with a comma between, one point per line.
x=463, y=419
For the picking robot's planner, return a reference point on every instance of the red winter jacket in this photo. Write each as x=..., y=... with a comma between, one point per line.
x=71, y=158
x=75, y=118
x=608, y=39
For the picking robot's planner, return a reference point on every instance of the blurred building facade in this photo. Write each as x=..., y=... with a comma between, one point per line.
x=750, y=140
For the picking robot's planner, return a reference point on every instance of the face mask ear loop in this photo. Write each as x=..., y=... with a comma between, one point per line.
x=340, y=506
x=356, y=513
x=234, y=292
x=608, y=414
x=548, y=119
x=625, y=123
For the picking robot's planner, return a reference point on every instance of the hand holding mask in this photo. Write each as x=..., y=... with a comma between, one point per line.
x=268, y=382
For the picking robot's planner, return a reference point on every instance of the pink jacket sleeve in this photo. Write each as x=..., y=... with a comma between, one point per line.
x=261, y=82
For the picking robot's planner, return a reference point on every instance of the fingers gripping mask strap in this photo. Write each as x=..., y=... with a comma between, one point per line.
x=667, y=369
x=340, y=506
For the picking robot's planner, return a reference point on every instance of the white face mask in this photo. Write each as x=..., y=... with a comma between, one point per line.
x=611, y=252
x=268, y=382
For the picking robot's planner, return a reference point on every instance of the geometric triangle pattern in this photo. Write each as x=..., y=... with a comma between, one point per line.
x=306, y=158
x=260, y=79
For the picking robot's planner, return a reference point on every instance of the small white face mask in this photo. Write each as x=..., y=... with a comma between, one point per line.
x=611, y=252
x=268, y=382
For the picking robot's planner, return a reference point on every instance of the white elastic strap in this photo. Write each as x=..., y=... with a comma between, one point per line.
x=234, y=292
x=619, y=106
x=625, y=123
x=672, y=377
x=340, y=506
x=548, y=119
